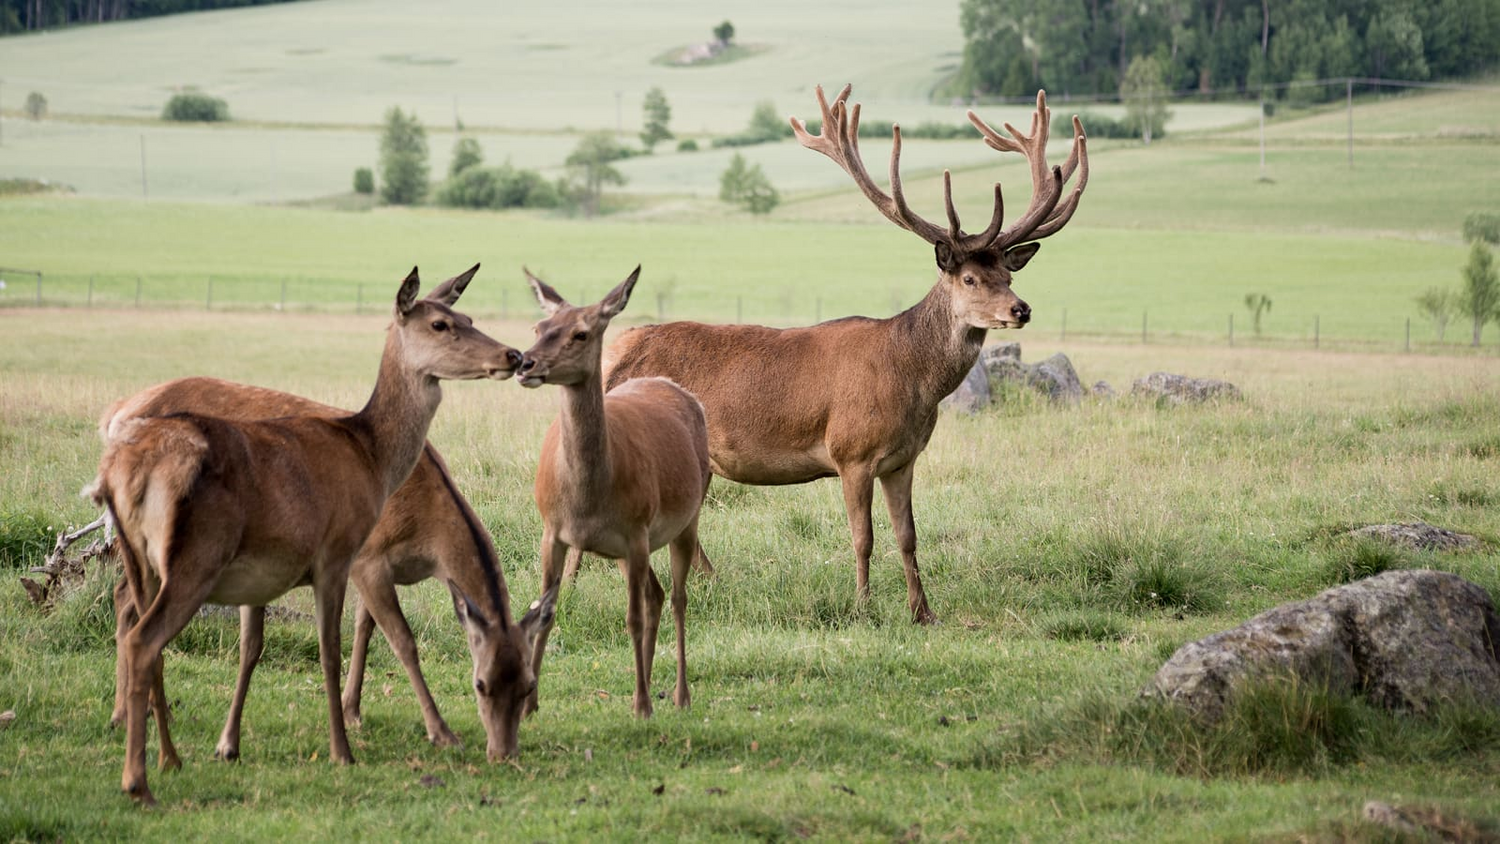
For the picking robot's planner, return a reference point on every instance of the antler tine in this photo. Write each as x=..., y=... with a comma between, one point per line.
x=929, y=232
x=953, y=231
x=1065, y=209
x=841, y=143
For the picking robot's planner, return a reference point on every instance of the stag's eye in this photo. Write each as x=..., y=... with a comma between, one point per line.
x=581, y=336
x=969, y=280
x=439, y=325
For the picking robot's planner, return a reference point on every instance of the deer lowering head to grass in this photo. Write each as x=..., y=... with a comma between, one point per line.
x=620, y=475
x=858, y=397
x=239, y=512
x=427, y=529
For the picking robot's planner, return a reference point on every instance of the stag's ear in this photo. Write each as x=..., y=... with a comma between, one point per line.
x=449, y=291
x=406, y=297
x=947, y=260
x=539, y=616
x=616, y=299
x=549, y=299
x=1017, y=257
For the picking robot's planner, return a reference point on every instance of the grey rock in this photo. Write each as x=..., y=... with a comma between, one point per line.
x=1418, y=536
x=972, y=395
x=1058, y=379
x=1180, y=389
x=999, y=351
x=1054, y=376
x=1401, y=639
x=1102, y=389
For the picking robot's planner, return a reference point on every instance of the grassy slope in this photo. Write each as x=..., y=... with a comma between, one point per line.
x=811, y=714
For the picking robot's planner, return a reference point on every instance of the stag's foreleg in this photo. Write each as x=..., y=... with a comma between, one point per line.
x=378, y=604
x=252, y=645
x=553, y=552
x=859, y=493
x=897, y=489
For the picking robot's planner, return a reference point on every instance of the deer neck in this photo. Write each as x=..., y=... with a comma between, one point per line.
x=584, y=438
x=937, y=348
x=395, y=419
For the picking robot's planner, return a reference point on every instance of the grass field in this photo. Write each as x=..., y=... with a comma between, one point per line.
x=813, y=716
x=1068, y=551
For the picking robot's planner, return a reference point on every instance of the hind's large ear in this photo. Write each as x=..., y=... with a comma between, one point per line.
x=539, y=616
x=549, y=299
x=406, y=297
x=616, y=300
x=468, y=614
x=449, y=291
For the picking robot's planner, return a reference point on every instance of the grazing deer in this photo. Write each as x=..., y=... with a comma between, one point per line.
x=621, y=474
x=427, y=529
x=240, y=512
x=858, y=397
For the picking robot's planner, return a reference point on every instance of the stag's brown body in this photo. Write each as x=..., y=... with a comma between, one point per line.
x=620, y=474
x=427, y=529
x=239, y=512
x=858, y=397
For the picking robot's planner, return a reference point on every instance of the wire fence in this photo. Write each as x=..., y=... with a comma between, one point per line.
x=28, y=289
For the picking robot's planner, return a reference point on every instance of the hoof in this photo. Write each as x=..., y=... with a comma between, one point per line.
x=140, y=793
x=445, y=738
x=170, y=763
x=227, y=754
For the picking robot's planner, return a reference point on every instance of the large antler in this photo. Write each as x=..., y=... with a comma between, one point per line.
x=839, y=140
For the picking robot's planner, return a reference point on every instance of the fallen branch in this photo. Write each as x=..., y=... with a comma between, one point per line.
x=59, y=565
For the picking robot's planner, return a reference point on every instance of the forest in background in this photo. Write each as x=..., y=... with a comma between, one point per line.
x=27, y=15
x=1084, y=47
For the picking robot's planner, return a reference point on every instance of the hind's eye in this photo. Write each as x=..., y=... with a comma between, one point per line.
x=969, y=280
x=581, y=336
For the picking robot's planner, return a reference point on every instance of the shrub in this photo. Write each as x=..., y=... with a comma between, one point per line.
x=195, y=107
x=466, y=153
x=747, y=186
x=687, y=145
x=36, y=106
x=1356, y=560
x=364, y=180
x=498, y=187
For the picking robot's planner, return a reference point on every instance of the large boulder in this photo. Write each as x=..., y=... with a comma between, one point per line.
x=972, y=395
x=1402, y=639
x=1054, y=376
x=1180, y=389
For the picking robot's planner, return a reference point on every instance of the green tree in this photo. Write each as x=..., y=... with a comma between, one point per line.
x=1480, y=297
x=1482, y=225
x=403, y=159
x=36, y=106
x=1257, y=304
x=466, y=153
x=656, y=113
x=589, y=165
x=364, y=180
x=766, y=123
x=747, y=186
x=724, y=32
x=1438, y=305
x=1145, y=96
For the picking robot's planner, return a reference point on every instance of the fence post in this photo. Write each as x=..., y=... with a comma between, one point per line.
x=1408, y=334
x=209, y=303
x=1064, y=324
x=1231, y=329
x=38, y=290
x=359, y=298
x=89, y=302
x=1317, y=331
x=1143, y=327
x=137, y=291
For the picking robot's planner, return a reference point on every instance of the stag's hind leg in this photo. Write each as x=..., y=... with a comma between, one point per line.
x=897, y=489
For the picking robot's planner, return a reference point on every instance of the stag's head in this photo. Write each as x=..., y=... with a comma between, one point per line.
x=570, y=341
x=974, y=269
x=441, y=343
x=503, y=679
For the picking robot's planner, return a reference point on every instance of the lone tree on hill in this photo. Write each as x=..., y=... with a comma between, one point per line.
x=724, y=32
x=656, y=112
x=1144, y=94
x=1480, y=297
x=747, y=186
x=1258, y=303
x=589, y=164
x=403, y=159
x=1438, y=305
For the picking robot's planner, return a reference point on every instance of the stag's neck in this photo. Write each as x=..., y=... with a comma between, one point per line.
x=395, y=419
x=936, y=348
x=584, y=439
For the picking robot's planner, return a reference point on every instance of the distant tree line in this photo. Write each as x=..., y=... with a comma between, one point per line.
x=1084, y=47
x=24, y=15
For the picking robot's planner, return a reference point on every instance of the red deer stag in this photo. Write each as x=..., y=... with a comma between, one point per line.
x=858, y=397
x=621, y=474
x=427, y=529
x=240, y=512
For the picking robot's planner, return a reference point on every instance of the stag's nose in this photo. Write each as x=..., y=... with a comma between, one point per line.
x=512, y=358
x=1022, y=312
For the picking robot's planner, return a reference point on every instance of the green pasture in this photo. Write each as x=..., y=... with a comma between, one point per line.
x=1068, y=551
